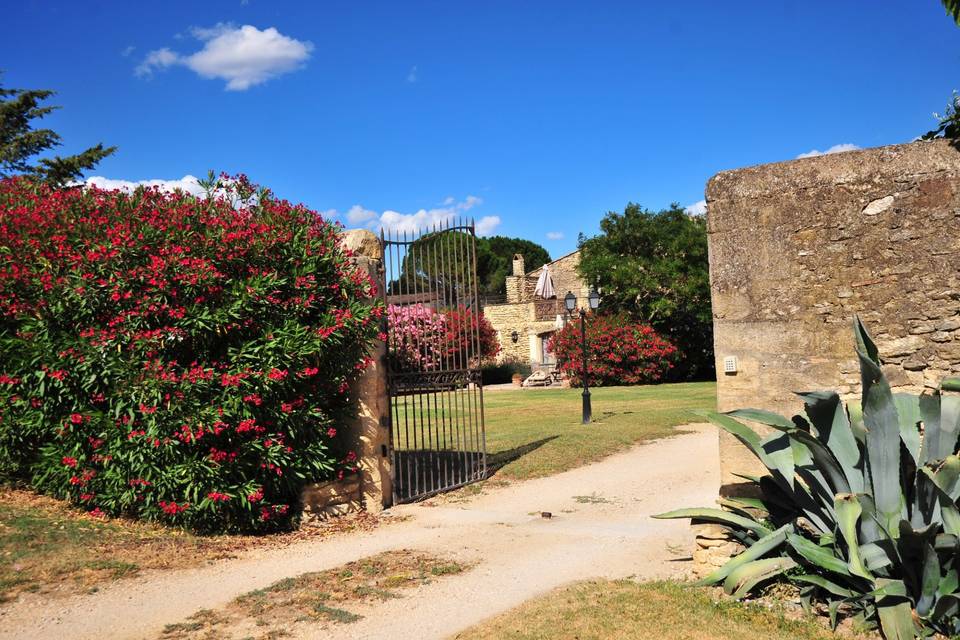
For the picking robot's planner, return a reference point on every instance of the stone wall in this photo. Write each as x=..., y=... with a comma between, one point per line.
x=798, y=248
x=519, y=317
x=371, y=489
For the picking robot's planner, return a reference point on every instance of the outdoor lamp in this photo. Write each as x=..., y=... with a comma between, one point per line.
x=570, y=301
x=594, y=299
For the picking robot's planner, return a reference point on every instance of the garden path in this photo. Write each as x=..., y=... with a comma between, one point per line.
x=516, y=553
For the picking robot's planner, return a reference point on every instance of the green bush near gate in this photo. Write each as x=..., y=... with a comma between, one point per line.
x=175, y=358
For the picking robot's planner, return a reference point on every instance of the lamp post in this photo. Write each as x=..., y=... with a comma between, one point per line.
x=570, y=302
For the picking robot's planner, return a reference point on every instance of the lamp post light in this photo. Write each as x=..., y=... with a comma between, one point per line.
x=570, y=302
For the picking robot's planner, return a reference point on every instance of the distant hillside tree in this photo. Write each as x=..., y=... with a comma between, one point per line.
x=495, y=260
x=422, y=271
x=653, y=266
x=20, y=142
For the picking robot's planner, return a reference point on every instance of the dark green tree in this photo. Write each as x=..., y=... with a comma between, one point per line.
x=495, y=260
x=441, y=262
x=653, y=265
x=20, y=142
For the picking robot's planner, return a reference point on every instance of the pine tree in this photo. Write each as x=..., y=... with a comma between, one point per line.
x=19, y=141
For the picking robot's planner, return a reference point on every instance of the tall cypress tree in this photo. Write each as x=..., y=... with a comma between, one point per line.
x=20, y=142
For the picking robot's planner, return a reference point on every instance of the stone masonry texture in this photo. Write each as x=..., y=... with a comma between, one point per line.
x=519, y=313
x=798, y=248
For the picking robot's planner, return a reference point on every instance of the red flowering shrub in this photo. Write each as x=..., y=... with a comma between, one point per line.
x=423, y=339
x=620, y=351
x=176, y=358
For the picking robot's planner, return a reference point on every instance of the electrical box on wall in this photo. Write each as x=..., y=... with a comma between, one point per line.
x=730, y=365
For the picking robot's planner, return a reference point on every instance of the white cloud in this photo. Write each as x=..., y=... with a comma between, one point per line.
x=187, y=183
x=243, y=56
x=698, y=208
x=412, y=75
x=127, y=51
x=554, y=235
x=837, y=148
x=159, y=59
x=358, y=216
x=486, y=225
x=411, y=223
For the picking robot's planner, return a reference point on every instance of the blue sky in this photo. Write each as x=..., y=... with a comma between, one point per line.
x=535, y=117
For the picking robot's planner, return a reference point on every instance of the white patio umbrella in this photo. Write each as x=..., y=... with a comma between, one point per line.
x=545, y=284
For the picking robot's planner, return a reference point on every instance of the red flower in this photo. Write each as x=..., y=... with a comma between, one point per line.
x=69, y=462
x=76, y=418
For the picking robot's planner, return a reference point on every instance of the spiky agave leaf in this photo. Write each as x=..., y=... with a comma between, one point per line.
x=863, y=503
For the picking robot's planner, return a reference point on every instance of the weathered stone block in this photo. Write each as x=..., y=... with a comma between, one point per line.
x=798, y=248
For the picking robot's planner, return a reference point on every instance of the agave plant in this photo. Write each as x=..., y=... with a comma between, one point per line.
x=859, y=505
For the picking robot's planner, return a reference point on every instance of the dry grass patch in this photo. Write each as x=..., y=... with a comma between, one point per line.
x=628, y=610
x=48, y=547
x=320, y=597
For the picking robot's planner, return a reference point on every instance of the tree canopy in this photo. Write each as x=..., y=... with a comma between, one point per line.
x=20, y=142
x=495, y=260
x=948, y=123
x=653, y=265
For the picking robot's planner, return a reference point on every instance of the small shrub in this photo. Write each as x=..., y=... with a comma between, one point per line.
x=503, y=373
x=176, y=358
x=620, y=351
x=859, y=506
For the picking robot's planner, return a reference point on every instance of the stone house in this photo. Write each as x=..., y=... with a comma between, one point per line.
x=525, y=322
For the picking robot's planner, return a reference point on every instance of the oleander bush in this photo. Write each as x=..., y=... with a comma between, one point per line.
x=859, y=507
x=424, y=339
x=620, y=351
x=176, y=358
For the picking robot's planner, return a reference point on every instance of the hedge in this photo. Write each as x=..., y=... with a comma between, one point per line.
x=176, y=358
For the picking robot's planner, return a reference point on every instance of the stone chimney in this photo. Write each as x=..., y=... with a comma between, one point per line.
x=515, y=281
x=518, y=269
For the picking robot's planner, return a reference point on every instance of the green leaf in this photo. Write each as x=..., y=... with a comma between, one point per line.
x=779, y=453
x=737, y=429
x=929, y=581
x=848, y=512
x=829, y=419
x=825, y=584
x=744, y=578
x=825, y=462
x=894, y=611
x=760, y=548
x=883, y=432
x=908, y=409
x=818, y=555
x=718, y=516
x=768, y=418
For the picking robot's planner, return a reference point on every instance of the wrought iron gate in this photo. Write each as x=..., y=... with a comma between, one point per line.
x=433, y=359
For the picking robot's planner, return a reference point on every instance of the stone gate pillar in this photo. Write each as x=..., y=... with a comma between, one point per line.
x=371, y=489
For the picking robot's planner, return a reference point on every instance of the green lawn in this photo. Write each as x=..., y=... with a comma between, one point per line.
x=628, y=610
x=534, y=432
